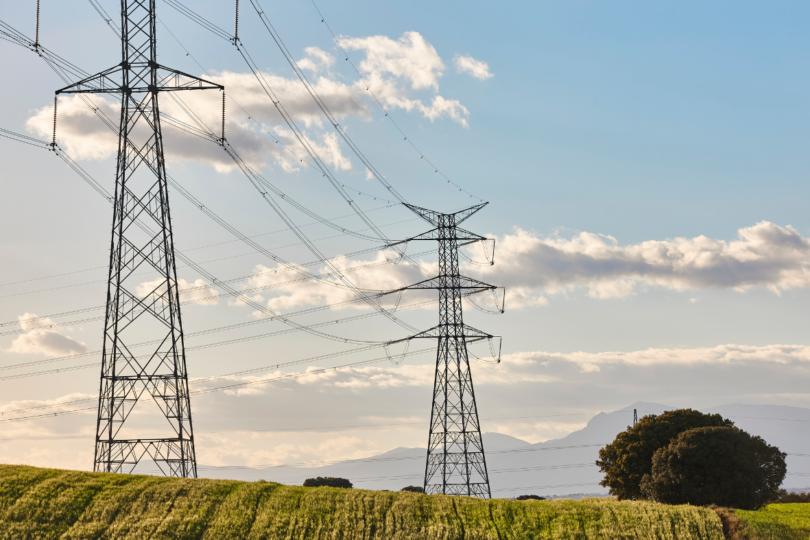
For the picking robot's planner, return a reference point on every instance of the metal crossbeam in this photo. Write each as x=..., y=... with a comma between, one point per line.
x=136, y=312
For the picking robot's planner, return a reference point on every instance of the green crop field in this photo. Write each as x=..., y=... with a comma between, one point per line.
x=49, y=503
x=776, y=522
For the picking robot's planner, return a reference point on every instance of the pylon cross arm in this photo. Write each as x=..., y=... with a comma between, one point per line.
x=433, y=217
x=168, y=80
x=442, y=282
x=440, y=233
x=443, y=331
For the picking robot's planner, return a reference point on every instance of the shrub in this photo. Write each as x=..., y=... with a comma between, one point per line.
x=716, y=465
x=530, y=498
x=413, y=489
x=783, y=496
x=628, y=458
x=327, y=481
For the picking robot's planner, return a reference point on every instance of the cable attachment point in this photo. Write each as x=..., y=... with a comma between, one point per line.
x=36, y=38
x=236, y=25
x=223, y=116
x=53, y=141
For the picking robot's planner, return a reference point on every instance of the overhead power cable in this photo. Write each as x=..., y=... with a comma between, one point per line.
x=277, y=140
x=218, y=377
x=252, y=175
x=233, y=386
x=422, y=156
x=321, y=104
x=234, y=341
x=302, y=139
x=224, y=285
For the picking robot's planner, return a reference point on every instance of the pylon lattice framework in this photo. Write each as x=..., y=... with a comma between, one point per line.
x=455, y=464
x=142, y=241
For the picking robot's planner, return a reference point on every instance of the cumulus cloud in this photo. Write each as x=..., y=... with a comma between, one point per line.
x=316, y=60
x=412, y=61
x=41, y=338
x=395, y=70
x=379, y=273
x=764, y=255
x=254, y=138
x=410, y=57
x=477, y=68
x=196, y=292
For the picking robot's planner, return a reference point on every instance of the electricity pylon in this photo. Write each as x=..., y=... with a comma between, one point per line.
x=456, y=464
x=138, y=308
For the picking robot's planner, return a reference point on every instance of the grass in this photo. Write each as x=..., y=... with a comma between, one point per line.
x=784, y=521
x=48, y=503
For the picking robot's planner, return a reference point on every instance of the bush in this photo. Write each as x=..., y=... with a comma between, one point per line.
x=629, y=457
x=413, y=489
x=724, y=466
x=530, y=498
x=783, y=496
x=328, y=482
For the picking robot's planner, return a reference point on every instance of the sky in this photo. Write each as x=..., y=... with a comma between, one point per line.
x=644, y=164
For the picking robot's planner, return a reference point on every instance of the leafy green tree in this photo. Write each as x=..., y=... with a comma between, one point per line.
x=327, y=481
x=413, y=489
x=628, y=458
x=716, y=465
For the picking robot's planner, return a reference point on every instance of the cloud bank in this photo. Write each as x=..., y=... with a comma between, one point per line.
x=402, y=73
x=764, y=255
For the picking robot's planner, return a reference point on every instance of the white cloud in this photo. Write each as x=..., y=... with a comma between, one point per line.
x=197, y=292
x=764, y=255
x=39, y=340
x=394, y=70
x=477, y=68
x=721, y=354
x=410, y=57
x=378, y=273
x=316, y=60
x=412, y=60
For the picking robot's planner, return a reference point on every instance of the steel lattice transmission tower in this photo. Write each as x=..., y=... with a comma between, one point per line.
x=142, y=309
x=456, y=464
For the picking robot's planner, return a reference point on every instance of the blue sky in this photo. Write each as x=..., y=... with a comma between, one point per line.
x=606, y=132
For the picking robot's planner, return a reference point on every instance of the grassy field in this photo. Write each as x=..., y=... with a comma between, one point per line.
x=776, y=522
x=49, y=503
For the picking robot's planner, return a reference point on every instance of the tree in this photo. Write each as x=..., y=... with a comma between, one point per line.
x=716, y=465
x=327, y=481
x=629, y=457
x=530, y=498
x=413, y=489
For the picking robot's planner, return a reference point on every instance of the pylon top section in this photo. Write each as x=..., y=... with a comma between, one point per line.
x=138, y=71
x=435, y=218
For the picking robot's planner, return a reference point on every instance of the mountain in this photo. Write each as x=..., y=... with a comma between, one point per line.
x=561, y=466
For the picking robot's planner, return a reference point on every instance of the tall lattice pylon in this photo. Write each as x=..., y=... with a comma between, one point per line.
x=142, y=308
x=456, y=464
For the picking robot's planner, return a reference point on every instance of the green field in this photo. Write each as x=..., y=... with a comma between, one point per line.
x=50, y=503
x=776, y=522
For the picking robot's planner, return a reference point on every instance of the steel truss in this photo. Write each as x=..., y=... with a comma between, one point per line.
x=142, y=240
x=456, y=464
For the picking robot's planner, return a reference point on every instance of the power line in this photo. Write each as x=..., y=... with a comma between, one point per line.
x=253, y=176
x=422, y=156
x=276, y=138
x=194, y=348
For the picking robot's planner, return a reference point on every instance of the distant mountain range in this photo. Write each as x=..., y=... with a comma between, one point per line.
x=559, y=467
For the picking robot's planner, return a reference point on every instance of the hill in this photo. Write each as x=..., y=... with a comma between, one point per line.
x=561, y=466
x=50, y=503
